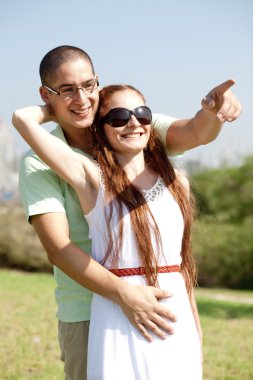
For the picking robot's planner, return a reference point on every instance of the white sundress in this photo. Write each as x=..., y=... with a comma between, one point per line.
x=116, y=349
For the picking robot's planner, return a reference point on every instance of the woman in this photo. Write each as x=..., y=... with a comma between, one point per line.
x=140, y=216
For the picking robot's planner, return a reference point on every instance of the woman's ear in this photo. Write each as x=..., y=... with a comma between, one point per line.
x=44, y=94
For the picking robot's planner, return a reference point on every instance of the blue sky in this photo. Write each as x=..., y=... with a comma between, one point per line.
x=173, y=51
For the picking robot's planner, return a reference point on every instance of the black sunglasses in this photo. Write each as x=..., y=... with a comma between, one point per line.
x=117, y=117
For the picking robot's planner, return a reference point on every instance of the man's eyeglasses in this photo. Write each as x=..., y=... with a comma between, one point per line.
x=118, y=117
x=70, y=91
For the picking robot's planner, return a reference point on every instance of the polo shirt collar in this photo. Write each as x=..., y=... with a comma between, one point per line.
x=58, y=132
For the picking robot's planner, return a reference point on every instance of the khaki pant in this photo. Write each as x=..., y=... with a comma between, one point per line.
x=73, y=339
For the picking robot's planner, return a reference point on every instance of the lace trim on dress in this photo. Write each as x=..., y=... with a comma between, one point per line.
x=155, y=192
x=150, y=195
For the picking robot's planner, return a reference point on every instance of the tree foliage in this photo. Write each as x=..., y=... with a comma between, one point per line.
x=226, y=193
x=223, y=235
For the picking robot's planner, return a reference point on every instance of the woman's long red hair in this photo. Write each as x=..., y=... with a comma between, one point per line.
x=123, y=192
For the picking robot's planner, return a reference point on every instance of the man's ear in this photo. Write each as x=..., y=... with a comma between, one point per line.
x=44, y=95
x=99, y=88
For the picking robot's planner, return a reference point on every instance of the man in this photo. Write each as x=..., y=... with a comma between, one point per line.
x=70, y=87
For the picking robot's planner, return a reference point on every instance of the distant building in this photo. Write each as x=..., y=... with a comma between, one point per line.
x=9, y=161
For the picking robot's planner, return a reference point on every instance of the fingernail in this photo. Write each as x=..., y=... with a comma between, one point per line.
x=221, y=118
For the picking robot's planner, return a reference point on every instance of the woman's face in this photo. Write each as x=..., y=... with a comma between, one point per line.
x=133, y=136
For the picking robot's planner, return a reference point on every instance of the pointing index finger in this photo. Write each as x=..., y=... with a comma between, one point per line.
x=223, y=87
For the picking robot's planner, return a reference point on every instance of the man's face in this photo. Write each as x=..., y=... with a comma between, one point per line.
x=78, y=111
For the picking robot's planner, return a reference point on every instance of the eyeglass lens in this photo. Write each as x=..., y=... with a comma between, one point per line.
x=70, y=91
x=88, y=89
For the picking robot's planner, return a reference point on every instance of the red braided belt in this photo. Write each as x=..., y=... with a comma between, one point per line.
x=141, y=271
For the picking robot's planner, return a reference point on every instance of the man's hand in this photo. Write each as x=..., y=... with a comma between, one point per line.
x=218, y=106
x=141, y=306
x=222, y=102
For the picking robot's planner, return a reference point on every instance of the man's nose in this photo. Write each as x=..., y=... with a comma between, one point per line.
x=80, y=94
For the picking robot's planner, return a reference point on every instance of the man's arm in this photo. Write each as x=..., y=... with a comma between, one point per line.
x=218, y=106
x=43, y=199
x=139, y=303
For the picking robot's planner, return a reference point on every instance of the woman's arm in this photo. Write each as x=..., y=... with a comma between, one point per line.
x=72, y=167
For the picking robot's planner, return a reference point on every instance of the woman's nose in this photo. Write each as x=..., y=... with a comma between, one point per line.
x=133, y=121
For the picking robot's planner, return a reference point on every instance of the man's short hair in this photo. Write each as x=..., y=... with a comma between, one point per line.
x=57, y=56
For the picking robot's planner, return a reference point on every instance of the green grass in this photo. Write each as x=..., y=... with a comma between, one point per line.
x=28, y=327
x=28, y=330
x=227, y=323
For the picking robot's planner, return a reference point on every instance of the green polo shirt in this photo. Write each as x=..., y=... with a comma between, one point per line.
x=42, y=191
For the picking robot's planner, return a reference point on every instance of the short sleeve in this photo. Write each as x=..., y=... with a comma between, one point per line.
x=161, y=123
x=39, y=186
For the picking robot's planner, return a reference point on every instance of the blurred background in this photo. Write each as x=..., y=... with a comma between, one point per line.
x=175, y=52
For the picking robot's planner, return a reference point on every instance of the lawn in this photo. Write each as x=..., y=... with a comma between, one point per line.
x=28, y=330
x=28, y=327
x=227, y=323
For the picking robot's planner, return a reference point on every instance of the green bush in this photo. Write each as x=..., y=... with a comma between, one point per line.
x=226, y=193
x=19, y=246
x=223, y=235
x=224, y=254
